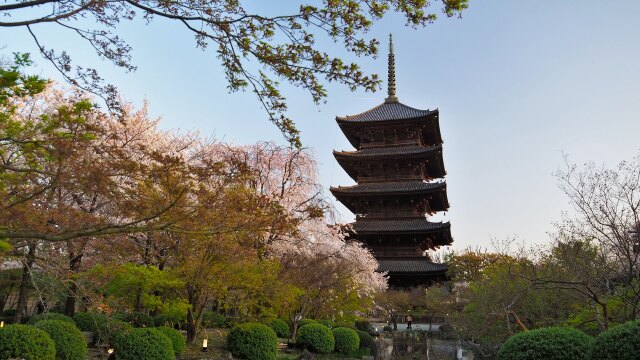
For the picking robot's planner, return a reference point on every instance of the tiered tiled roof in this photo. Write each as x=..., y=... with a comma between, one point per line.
x=388, y=111
x=399, y=226
x=391, y=152
x=390, y=188
x=411, y=266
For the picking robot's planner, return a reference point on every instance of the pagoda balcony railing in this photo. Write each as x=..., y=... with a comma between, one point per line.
x=390, y=143
x=389, y=178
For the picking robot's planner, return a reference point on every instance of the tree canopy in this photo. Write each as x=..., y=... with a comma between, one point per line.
x=255, y=50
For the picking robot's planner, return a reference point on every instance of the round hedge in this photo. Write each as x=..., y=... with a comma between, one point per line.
x=316, y=338
x=69, y=341
x=51, y=316
x=212, y=319
x=366, y=340
x=346, y=340
x=280, y=327
x=304, y=322
x=328, y=323
x=89, y=321
x=26, y=342
x=143, y=343
x=552, y=343
x=107, y=331
x=253, y=341
x=137, y=319
x=176, y=338
x=619, y=342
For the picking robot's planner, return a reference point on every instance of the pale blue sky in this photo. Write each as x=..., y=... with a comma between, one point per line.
x=517, y=84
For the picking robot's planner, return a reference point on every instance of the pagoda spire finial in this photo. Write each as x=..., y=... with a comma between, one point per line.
x=391, y=83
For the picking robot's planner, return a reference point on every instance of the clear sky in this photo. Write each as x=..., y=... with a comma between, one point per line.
x=518, y=83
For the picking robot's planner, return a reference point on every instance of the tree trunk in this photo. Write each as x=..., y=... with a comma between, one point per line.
x=192, y=315
x=25, y=283
x=75, y=262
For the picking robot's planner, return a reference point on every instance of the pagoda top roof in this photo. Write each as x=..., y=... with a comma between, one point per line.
x=388, y=111
x=398, y=226
x=390, y=151
x=410, y=266
x=387, y=188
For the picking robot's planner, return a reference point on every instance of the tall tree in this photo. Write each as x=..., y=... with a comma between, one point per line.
x=254, y=49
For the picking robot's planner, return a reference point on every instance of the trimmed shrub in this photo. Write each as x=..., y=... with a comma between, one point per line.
x=51, y=316
x=387, y=328
x=178, y=341
x=89, y=321
x=366, y=340
x=26, y=342
x=107, y=331
x=212, y=319
x=70, y=343
x=169, y=320
x=619, y=342
x=253, y=341
x=137, y=319
x=304, y=322
x=328, y=323
x=346, y=340
x=316, y=338
x=364, y=325
x=280, y=327
x=552, y=343
x=143, y=343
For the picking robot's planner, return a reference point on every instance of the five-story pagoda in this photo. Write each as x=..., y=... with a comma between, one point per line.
x=399, y=172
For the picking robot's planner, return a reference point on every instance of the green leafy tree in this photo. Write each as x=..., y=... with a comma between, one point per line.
x=255, y=49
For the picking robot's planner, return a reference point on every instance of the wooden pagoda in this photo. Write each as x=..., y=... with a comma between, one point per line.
x=399, y=172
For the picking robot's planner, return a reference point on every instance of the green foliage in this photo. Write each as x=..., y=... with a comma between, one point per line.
x=387, y=328
x=619, y=342
x=346, y=340
x=69, y=341
x=280, y=327
x=107, y=331
x=304, y=322
x=51, y=316
x=316, y=338
x=552, y=343
x=137, y=319
x=253, y=341
x=366, y=340
x=178, y=341
x=143, y=343
x=26, y=342
x=87, y=321
x=328, y=323
x=364, y=325
x=212, y=319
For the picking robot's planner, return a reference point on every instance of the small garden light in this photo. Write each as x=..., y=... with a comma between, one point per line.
x=1, y=324
x=111, y=353
x=204, y=345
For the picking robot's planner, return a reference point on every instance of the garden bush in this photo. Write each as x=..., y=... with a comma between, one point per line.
x=143, y=343
x=552, y=343
x=51, y=316
x=304, y=322
x=107, y=331
x=86, y=321
x=280, y=327
x=316, y=338
x=328, y=323
x=137, y=319
x=178, y=341
x=253, y=341
x=69, y=341
x=366, y=340
x=346, y=340
x=619, y=342
x=9, y=312
x=212, y=319
x=26, y=342
x=387, y=328
x=170, y=320
x=364, y=325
